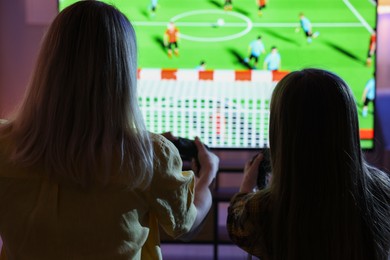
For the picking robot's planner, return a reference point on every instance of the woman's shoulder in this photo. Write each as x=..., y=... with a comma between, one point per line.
x=167, y=163
x=5, y=141
x=158, y=139
x=10, y=168
x=164, y=151
x=162, y=144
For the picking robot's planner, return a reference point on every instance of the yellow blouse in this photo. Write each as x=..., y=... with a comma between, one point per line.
x=42, y=219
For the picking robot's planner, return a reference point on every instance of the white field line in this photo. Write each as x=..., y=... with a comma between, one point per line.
x=373, y=2
x=358, y=16
x=269, y=25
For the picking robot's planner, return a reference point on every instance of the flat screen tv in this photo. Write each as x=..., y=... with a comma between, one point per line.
x=208, y=85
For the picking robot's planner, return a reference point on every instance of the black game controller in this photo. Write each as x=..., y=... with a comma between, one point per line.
x=187, y=150
x=264, y=170
x=186, y=147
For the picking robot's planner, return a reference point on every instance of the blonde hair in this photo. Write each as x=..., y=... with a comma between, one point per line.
x=80, y=117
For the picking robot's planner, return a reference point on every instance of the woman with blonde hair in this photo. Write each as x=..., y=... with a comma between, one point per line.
x=80, y=177
x=324, y=200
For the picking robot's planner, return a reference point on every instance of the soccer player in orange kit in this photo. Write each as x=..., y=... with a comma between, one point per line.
x=171, y=37
x=372, y=48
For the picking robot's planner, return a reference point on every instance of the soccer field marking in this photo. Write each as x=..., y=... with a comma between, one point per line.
x=358, y=16
x=247, y=29
x=257, y=25
x=372, y=2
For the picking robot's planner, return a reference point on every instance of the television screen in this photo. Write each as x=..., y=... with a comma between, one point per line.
x=207, y=68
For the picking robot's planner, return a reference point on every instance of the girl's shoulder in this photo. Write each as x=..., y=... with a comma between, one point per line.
x=164, y=151
x=161, y=144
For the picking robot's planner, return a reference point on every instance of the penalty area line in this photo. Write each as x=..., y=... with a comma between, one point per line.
x=358, y=16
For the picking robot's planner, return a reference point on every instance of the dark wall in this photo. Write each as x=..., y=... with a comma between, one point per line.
x=21, y=29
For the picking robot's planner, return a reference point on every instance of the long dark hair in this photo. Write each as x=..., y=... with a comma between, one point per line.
x=327, y=203
x=80, y=117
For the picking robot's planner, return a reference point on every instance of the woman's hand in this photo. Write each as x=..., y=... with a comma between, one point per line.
x=251, y=171
x=206, y=170
x=206, y=166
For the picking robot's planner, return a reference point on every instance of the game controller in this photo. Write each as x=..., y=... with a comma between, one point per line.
x=264, y=171
x=187, y=148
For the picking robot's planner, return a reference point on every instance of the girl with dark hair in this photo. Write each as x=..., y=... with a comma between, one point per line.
x=324, y=200
x=80, y=177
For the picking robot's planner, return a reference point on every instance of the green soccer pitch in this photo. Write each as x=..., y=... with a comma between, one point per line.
x=344, y=26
